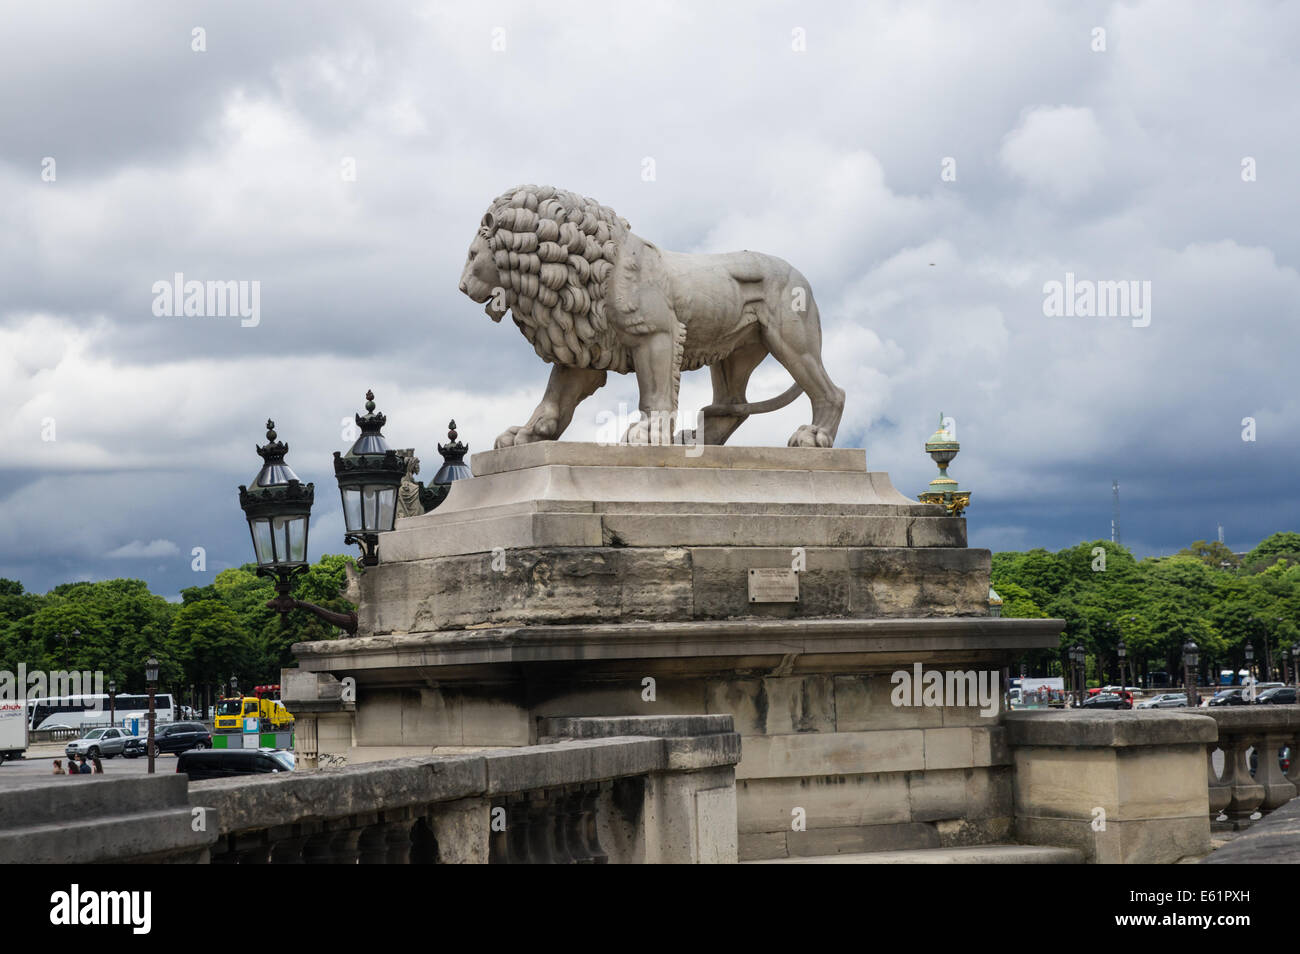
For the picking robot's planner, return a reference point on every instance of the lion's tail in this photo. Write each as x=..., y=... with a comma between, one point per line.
x=761, y=407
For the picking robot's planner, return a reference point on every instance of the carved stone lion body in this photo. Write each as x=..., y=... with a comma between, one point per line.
x=593, y=297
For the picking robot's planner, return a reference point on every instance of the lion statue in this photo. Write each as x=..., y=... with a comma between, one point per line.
x=592, y=297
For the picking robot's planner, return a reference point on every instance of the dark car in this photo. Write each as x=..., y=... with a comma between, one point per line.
x=174, y=737
x=1107, y=700
x=1228, y=697
x=201, y=765
x=1280, y=696
x=1283, y=759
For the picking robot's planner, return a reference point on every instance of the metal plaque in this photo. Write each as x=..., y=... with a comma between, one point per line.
x=773, y=586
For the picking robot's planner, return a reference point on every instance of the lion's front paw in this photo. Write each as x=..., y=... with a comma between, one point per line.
x=809, y=435
x=655, y=428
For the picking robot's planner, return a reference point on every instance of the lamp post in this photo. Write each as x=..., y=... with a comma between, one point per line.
x=151, y=677
x=112, y=702
x=1121, y=650
x=1295, y=666
x=234, y=687
x=1079, y=656
x=1268, y=652
x=278, y=509
x=1250, y=660
x=1191, y=662
x=368, y=476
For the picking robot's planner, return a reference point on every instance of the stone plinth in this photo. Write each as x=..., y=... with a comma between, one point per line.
x=1122, y=787
x=573, y=580
x=577, y=533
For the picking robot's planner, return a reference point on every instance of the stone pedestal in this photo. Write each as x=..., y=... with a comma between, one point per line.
x=572, y=580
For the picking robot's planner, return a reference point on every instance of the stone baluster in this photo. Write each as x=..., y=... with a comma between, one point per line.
x=1278, y=789
x=590, y=831
x=1220, y=786
x=288, y=849
x=423, y=849
x=570, y=828
x=541, y=828
x=518, y=823
x=1247, y=794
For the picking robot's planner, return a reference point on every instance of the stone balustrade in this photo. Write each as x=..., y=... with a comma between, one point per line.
x=596, y=791
x=1121, y=787
x=1236, y=794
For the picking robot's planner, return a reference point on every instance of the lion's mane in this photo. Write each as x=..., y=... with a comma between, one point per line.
x=554, y=252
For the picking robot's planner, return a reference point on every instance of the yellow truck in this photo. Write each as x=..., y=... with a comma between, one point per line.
x=271, y=714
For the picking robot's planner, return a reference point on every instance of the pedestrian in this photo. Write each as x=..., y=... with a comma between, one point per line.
x=58, y=766
x=99, y=766
x=85, y=766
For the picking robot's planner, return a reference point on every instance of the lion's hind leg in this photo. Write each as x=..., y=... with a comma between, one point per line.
x=730, y=378
x=795, y=339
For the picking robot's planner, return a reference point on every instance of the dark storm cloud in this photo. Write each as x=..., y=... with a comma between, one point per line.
x=1114, y=164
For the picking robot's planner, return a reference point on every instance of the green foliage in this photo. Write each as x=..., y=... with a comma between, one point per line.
x=1213, y=554
x=1158, y=604
x=216, y=631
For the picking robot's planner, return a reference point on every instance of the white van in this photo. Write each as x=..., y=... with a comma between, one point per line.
x=13, y=730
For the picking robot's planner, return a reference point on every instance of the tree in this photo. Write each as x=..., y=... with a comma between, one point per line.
x=1213, y=554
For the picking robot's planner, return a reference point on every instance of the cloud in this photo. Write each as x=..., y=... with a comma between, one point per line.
x=226, y=165
x=139, y=550
x=1058, y=151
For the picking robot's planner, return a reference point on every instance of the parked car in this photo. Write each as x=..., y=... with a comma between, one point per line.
x=1259, y=690
x=1106, y=700
x=1228, y=697
x=176, y=737
x=106, y=742
x=203, y=764
x=1283, y=759
x=1165, y=700
x=1278, y=696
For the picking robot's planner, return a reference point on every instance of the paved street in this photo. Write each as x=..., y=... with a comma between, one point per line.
x=40, y=761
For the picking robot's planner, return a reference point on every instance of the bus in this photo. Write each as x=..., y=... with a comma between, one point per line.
x=89, y=711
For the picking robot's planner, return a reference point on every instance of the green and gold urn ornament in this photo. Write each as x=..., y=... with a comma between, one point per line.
x=942, y=448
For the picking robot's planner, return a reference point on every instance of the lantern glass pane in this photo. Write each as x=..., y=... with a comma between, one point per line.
x=352, y=509
x=387, y=508
x=370, y=507
x=261, y=527
x=298, y=539
x=280, y=537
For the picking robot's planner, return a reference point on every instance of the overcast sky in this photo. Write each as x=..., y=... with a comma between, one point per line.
x=929, y=168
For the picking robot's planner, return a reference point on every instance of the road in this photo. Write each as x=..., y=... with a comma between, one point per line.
x=40, y=761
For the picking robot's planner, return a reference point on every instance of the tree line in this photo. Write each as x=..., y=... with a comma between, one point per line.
x=1205, y=593
x=216, y=631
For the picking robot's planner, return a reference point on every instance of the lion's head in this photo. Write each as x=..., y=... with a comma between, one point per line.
x=545, y=255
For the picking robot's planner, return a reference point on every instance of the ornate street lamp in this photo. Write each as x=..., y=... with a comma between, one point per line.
x=368, y=475
x=151, y=678
x=278, y=508
x=1191, y=664
x=1122, y=651
x=1079, y=656
x=453, y=468
x=112, y=702
x=234, y=686
x=1250, y=659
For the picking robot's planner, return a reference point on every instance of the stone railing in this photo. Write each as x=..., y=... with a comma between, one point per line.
x=596, y=791
x=1120, y=786
x=621, y=790
x=1235, y=793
